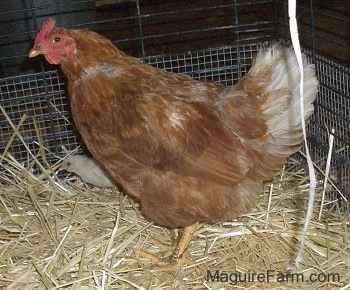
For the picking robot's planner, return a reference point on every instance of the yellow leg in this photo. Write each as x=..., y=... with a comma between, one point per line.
x=183, y=242
x=179, y=255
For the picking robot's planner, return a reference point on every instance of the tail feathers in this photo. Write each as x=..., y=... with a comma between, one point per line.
x=282, y=106
x=274, y=83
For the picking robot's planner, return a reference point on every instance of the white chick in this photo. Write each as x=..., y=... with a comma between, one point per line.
x=87, y=169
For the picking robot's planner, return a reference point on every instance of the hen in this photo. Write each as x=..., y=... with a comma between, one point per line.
x=190, y=151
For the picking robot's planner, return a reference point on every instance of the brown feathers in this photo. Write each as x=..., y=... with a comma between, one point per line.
x=187, y=150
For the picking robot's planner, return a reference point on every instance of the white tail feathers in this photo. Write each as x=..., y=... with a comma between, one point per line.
x=282, y=105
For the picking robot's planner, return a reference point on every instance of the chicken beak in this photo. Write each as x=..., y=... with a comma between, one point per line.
x=63, y=167
x=35, y=52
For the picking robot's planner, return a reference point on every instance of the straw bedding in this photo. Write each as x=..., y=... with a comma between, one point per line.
x=63, y=234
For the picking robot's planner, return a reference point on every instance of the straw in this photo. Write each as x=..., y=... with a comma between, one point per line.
x=65, y=234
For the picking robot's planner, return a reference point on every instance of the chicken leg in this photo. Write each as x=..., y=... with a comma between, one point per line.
x=183, y=242
x=178, y=257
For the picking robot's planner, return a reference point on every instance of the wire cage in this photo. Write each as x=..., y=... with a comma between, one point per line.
x=214, y=40
x=59, y=233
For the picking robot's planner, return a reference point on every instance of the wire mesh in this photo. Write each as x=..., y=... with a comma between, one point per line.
x=42, y=98
x=213, y=40
x=140, y=28
x=332, y=112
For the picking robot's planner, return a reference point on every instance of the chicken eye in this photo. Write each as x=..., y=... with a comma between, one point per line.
x=68, y=163
x=56, y=39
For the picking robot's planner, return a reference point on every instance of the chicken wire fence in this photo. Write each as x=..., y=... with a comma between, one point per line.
x=213, y=40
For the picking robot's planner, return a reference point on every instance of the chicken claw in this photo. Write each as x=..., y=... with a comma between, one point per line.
x=179, y=256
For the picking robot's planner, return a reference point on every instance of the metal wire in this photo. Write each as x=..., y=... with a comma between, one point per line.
x=218, y=42
x=97, y=18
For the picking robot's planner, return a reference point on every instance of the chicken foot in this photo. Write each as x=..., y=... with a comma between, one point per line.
x=179, y=256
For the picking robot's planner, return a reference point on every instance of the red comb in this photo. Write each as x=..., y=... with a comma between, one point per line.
x=46, y=27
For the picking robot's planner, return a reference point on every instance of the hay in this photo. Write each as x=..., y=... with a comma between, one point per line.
x=64, y=234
